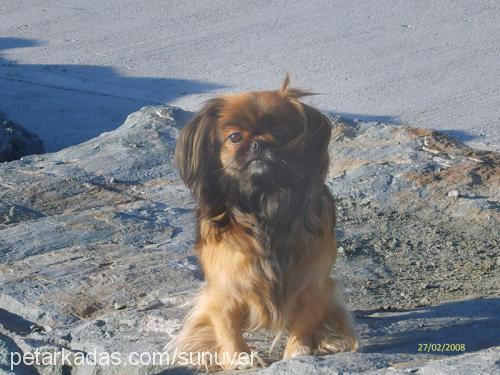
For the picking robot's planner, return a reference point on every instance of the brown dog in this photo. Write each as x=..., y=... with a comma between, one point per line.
x=256, y=164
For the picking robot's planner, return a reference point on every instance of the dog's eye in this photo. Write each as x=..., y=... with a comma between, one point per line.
x=279, y=134
x=235, y=137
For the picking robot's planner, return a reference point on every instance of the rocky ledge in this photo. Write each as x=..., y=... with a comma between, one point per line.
x=95, y=250
x=15, y=141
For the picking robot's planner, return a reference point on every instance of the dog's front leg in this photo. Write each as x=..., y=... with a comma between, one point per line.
x=337, y=332
x=322, y=323
x=308, y=313
x=227, y=319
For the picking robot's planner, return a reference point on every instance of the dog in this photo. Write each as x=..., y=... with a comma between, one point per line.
x=256, y=164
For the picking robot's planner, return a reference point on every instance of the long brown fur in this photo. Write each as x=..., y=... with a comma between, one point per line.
x=265, y=237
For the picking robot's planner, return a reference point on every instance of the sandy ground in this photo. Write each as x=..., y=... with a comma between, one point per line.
x=71, y=70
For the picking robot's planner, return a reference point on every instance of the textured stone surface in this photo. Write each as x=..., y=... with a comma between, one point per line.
x=15, y=141
x=482, y=362
x=95, y=248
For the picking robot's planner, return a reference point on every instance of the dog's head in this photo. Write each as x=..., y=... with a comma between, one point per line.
x=241, y=149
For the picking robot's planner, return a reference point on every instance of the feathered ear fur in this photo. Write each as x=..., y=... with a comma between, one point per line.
x=285, y=85
x=291, y=93
x=316, y=136
x=314, y=146
x=315, y=155
x=197, y=154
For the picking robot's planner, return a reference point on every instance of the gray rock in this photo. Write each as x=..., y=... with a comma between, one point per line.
x=95, y=249
x=15, y=141
x=481, y=362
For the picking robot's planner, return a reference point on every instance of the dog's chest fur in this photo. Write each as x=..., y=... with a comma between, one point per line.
x=254, y=260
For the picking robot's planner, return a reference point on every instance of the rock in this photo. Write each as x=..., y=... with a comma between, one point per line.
x=15, y=141
x=120, y=305
x=482, y=362
x=95, y=247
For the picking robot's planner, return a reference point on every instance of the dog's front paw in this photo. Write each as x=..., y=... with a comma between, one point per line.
x=236, y=364
x=297, y=352
x=296, y=348
x=331, y=345
x=240, y=360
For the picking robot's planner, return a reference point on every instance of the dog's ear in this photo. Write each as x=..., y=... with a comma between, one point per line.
x=197, y=152
x=315, y=147
x=316, y=161
x=316, y=136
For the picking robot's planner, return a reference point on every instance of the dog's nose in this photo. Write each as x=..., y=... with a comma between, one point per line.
x=254, y=145
x=258, y=145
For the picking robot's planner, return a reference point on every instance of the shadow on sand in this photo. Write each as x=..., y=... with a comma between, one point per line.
x=68, y=104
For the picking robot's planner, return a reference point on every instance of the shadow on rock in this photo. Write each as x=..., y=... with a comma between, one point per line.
x=475, y=323
x=359, y=117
